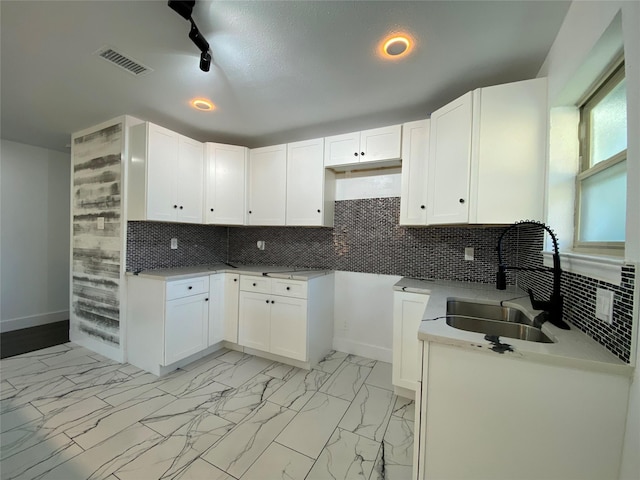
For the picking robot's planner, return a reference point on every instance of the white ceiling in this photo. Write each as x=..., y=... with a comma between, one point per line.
x=283, y=70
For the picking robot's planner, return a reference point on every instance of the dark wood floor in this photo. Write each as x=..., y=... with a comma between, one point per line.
x=34, y=338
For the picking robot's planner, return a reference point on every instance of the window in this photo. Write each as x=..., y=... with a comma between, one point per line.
x=601, y=193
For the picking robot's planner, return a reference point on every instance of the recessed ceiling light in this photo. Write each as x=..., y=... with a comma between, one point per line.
x=202, y=104
x=396, y=46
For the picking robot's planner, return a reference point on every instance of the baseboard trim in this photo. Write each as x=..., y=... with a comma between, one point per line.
x=363, y=349
x=33, y=321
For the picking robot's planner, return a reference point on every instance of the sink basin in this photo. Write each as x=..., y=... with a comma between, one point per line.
x=498, y=328
x=488, y=312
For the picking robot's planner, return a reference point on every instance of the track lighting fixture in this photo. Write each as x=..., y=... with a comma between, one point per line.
x=184, y=8
x=197, y=38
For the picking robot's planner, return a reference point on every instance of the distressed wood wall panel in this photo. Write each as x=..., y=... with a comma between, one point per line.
x=97, y=253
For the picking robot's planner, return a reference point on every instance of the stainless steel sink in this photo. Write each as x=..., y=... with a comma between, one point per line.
x=498, y=328
x=494, y=320
x=488, y=312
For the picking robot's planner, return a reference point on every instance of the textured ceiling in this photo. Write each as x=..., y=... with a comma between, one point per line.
x=283, y=71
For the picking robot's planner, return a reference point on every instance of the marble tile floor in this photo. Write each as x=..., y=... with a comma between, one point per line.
x=68, y=413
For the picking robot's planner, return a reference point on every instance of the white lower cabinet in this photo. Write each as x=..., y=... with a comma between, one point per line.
x=483, y=414
x=167, y=321
x=289, y=318
x=408, y=309
x=223, y=307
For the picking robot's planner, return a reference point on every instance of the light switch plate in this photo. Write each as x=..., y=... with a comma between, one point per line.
x=100, y=225
x=468, y=253
x=604, y=305
x=174, y=244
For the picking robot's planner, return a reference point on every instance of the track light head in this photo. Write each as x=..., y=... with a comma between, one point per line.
x=197, y=38
x=184, y=8
x=205, y=61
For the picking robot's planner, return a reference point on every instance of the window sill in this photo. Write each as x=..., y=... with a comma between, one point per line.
x=599, y=267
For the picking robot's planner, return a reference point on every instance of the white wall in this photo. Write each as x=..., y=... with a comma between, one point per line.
x=583, y=37
x=34, y=232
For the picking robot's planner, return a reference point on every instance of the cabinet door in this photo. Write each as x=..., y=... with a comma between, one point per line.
x=508, y=164
x=289, y=327
x=231, y=298
x=380, y=144
x=305, y=183
x=190, y=180
x=226, y=179
x=253, y=320
x=267, y=185
x=162, y=159
x=408, y=309
x=216, y=308
x=449, y=163
x=415, y=153
x=185, y=330
x=342, y=149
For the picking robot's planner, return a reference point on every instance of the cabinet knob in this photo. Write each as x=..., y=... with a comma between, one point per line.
x=206, y=299
x=288, y=288
x=189, y=287
x=254, y=284
x=181, y=207
x=461, y=200
x=355, y=154
x=318, y=210
x=175, y=206
x=362, y=154
x=272, y=301
x=249, y=211
x=422, y=207
x=212, y=209
x=235, y=279
x=267, y=301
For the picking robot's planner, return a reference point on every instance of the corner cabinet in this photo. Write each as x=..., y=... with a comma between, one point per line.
x=310, y=188
x=415, y=153
x=375, y=145
x=166, y=321
x=408, y=309
x=291, y=319
x=225, y=184
x=487, y=156
x=267, y=185
x=165, y=176
x=223, y=307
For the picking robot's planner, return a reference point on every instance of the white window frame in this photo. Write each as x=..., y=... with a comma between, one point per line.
x=607, y=83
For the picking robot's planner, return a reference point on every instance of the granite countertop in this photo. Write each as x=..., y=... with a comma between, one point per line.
x=182, y=273
x=571, y=348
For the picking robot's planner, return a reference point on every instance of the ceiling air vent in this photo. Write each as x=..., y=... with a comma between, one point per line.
x=126, y=63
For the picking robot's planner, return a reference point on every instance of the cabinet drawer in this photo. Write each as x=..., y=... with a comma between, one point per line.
x=289, y=288
x=187, y=288
x=249, y=283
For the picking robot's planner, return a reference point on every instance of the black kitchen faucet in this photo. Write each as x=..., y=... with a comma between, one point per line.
x=553, y=306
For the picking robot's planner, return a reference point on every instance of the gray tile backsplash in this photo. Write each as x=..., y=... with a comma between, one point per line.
x=367, y=238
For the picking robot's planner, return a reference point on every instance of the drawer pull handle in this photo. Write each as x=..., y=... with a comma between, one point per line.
x=362, y=154
x=189, y=287
x=254, y=284
x=272, y=301
x=288, y=288
x=267, y=301
x=355, y=154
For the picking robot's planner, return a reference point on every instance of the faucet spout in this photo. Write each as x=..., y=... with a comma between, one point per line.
x=554, y=306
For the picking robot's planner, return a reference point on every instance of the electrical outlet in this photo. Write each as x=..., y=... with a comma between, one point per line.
x=604, y=305
x=468, y=254
x=261, y=244
x=100, y=225
x=174, y=244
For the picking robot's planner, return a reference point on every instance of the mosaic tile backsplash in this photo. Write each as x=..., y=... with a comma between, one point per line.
x=367, y=238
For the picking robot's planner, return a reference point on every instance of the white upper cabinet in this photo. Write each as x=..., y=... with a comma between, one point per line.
x=487, y=156
x=267, y=185
x=509, y=152
x=375, y=145
x=165, y=176
x=449, y=162
x=226, y=184
x=310, y=190
x=415, y=153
